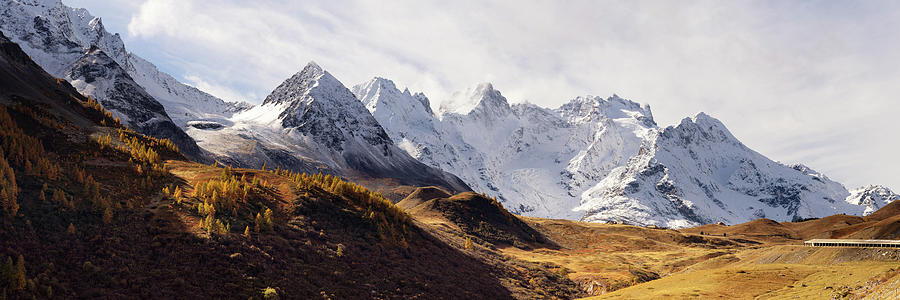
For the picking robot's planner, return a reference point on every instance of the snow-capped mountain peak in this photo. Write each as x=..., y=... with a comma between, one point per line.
x=301, y=83
x=697, y=172
x=536, y=160
x=56, y=35
x=314, y=103
x=382, y=97
x=702, y=129
x=481, y=99
x=872, y=197
x=311, y=122
x=424, y=100
x=377, y=90
x=99, y=75
x=586, y=109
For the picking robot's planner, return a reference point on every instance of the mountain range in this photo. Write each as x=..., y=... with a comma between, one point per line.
x=593, y=159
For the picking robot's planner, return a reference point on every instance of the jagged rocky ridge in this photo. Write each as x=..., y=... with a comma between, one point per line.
x=100, y=76
x=58, y=38
x=537, y=161
x=72, y=44
x=698, y=173
x=872, y=197
x=602, y=160
x=312, y=123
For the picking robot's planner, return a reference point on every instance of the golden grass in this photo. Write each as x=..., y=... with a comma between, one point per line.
x=606, y=257
x=766, y=281
x=602, y=257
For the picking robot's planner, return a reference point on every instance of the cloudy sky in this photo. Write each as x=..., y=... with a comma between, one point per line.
x=815, y=82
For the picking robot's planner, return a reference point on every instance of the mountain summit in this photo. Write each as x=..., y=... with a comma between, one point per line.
x=698, y=173
x=311, y=122
x=315, y=104
x=100, y=76
x=56, y=35
x=537, y=161
x=482, y=99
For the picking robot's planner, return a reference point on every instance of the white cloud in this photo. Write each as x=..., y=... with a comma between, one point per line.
x=797, y=81
x=223, y=92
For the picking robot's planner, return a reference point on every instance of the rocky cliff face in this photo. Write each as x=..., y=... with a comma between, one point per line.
x=100, y=76
x=315, y=104
x=58, y=37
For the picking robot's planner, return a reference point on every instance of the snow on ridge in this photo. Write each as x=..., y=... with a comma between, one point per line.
x=482, y=96
x=56, y=35
x=312, y=121
x=871, y=197
x=536, y=160
x=697, y=173
x=606, y=156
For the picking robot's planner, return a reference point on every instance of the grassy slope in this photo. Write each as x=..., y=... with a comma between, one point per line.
x=604, y=257
x=118, y=236
x=626, y=259
x=764, y=281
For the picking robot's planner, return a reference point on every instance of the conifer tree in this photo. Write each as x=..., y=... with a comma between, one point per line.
x=247, y=232
x=19, y=275
x=107, y=215
x=177, y=193
x=8, y=189
x=268, y=219
x=71, y=229
x=210, y=222
x=7, y=274
x=256, y=222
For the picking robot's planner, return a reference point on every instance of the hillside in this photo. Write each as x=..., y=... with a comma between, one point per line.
x=776, y=265
x=473, y=214
x=190, y=230
x=312, y=123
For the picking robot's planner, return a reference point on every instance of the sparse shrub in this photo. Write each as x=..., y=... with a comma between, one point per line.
x=270, y=293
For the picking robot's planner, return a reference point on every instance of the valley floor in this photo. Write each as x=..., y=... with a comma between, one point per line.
x=757, y=260
x=772, y=281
